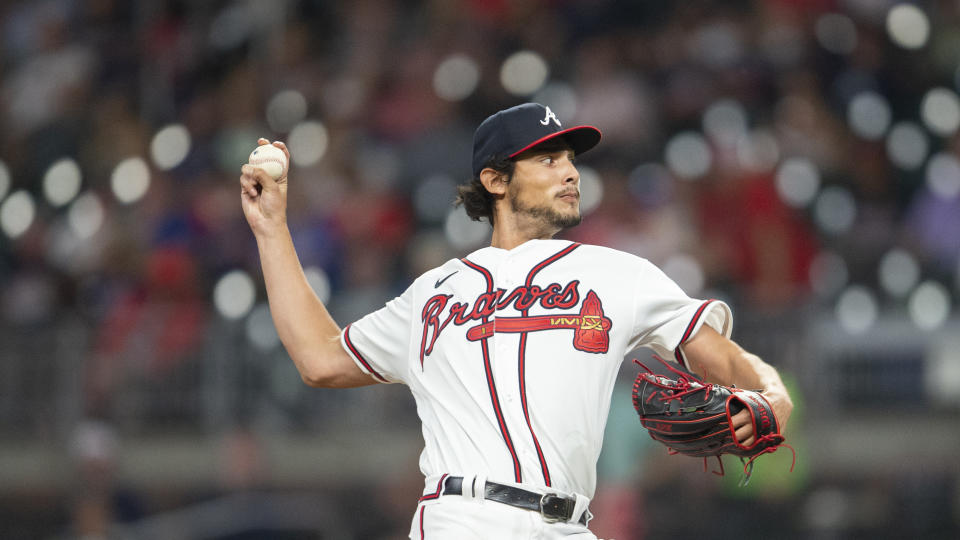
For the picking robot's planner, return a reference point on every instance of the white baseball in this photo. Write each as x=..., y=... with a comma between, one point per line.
x=269, y=158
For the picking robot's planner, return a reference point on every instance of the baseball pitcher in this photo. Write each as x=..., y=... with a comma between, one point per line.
x=512, y=351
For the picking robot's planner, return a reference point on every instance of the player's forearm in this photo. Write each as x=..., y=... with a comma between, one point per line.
x=734, y=366
x=749, y=371
x=720, y=360
x=307, y=330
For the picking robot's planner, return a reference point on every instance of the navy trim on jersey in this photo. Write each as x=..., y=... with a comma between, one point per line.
x=491, y=386
x=521, y=359
x=686, y=334
x=353, y=349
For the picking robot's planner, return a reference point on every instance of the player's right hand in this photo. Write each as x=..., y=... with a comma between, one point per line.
x=263, y=199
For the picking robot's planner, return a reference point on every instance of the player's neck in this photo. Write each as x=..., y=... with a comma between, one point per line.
x=509, y=233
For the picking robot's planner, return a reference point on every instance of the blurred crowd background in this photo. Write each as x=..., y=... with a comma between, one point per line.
x=799, y=159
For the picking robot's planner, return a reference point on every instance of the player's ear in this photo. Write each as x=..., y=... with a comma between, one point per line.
x=495, y=181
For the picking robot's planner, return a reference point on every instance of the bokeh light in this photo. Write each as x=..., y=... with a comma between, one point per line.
x=929, y=305
x=725, y=121
x=232, y=25
x=758, y=151
x=17, y=213
x=836, y=33
x=828, y=274
x=456, y=77
x=856, y=309
x=899, y=272
x=940, y=111
x=943, y=175
x=650, y=184
x=378, y=166
x=908, y=26
x=560, y=97
x=797, y=181
x=319, y=281
x=260, y=330
x=591, y=189
x=432, y=197
x=85, y=215
x=718, y=45
x=307, y=143
x=234, y=294
x=869, y=115
x=523, y=73
x=686, y=271
x=688, y=155
x=130, y=180
x=835, y=210
x=285, y=110
x=4, y=180
x=907, y=145
x=61, y=182
x=942, y=372
x=827, y=508
x=170, y=146
x=464, y=233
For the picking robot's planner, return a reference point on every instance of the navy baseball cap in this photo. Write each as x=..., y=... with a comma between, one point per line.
x=512, y=131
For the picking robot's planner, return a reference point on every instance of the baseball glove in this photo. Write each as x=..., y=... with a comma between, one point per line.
x=693, y=417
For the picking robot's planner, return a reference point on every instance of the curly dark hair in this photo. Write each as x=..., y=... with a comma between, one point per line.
x=476, y=200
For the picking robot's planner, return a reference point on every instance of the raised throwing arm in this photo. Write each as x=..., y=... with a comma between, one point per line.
x=307, y=330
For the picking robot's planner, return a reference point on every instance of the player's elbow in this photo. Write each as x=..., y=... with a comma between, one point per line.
x=317, y=376
x=334, y=370
x=313, y=380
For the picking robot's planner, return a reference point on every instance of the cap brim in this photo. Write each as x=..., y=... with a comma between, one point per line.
x=580, y=139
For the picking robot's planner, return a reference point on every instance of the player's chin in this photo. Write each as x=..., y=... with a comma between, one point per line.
x=570, y=218
x=570, y=206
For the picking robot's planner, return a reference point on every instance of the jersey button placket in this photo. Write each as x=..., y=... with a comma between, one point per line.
x=505, y=280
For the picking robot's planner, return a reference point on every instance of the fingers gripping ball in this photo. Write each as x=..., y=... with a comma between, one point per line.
x=271, y=159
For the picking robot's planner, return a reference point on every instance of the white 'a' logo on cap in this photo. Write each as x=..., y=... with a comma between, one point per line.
x=548, y=117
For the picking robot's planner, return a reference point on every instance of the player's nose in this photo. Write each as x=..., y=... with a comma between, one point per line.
x=571, y=174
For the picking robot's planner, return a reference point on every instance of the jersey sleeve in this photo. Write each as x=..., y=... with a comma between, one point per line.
x=379, y=342
x=666, y=317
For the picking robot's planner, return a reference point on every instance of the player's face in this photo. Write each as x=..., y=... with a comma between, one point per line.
x=546, y=188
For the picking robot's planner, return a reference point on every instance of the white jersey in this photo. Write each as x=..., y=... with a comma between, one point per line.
x=512, y=355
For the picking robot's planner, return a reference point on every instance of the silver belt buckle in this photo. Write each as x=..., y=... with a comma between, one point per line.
x=543, y=501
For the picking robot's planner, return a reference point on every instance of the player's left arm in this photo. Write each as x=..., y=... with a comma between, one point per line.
x=719, y=359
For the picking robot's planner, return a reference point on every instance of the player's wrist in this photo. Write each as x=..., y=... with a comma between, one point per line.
x=776, y=390
x=781, y=403
x=272, y=229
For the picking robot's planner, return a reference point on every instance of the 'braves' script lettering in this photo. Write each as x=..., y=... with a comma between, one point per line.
x=438, y=311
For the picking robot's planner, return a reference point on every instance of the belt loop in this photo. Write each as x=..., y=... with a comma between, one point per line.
x=581, y=508
x=474, y=487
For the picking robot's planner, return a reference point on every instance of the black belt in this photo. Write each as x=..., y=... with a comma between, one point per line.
x=551, y=506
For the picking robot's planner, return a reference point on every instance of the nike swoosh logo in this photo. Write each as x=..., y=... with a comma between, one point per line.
x=440, y=281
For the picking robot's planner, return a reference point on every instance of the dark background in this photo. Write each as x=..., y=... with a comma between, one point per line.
x=797, y=159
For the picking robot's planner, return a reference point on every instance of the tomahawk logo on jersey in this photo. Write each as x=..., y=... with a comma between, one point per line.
x=511, y=355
